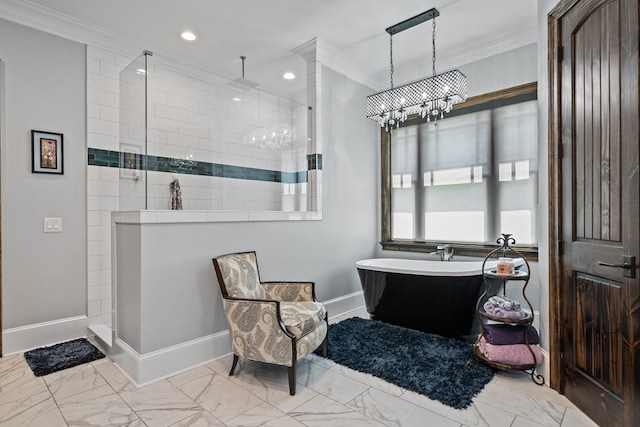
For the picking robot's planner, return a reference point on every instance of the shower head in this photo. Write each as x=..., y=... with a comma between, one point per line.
x=242, y=83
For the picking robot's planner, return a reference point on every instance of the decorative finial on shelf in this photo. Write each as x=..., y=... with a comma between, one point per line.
x=505, y=240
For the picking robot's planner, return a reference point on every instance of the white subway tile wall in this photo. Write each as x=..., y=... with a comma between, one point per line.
x=102, y=186
x=190, y=120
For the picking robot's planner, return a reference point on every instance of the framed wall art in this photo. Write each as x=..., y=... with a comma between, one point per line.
x=46, y=152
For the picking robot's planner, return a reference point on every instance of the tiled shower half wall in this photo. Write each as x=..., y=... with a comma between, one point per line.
x=229, y=145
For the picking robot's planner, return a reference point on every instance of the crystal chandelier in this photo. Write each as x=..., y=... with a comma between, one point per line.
x=430, y=97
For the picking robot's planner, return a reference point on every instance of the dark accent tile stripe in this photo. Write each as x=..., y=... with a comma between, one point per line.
x=314, y=161
x=116, y=159
x=300, y=177
x=104, y=158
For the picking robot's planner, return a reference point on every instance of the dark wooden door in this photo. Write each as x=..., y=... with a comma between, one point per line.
x=600, y=305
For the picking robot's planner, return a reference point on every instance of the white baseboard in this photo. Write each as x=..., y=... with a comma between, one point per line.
x=146, y=368
x=545, y=366
x=25, y=338
x=143, y=369
x=343, y=304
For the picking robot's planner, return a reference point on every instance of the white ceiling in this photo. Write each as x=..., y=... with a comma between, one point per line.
x=350, y=33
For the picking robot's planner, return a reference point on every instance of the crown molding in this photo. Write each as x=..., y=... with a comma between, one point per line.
x=49, y=21
x=52, y=22
x=37, y=17
x=446, y=60
x=307, y=50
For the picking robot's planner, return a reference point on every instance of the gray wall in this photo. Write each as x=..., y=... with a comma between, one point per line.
x=176, y=270
x=544, y=7
x=508, y=69
x=43, y=275
x=129, y=301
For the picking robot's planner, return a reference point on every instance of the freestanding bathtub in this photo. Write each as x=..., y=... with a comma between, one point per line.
x=432, y=296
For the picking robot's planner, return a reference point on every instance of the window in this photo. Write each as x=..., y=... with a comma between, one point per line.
x=466, y=179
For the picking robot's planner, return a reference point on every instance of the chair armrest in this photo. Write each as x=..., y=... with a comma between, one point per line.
x=290, y=291
x=257, y=331
x=251, y=299
x=252, y=312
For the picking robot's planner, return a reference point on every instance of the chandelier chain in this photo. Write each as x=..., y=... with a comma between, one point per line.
x=391, y=58
x=433, y=46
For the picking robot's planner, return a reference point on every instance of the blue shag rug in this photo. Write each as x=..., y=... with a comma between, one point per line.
x=443, y=369
x=46, y=360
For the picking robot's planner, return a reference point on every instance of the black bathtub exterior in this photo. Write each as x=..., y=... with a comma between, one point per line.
x=442, y=305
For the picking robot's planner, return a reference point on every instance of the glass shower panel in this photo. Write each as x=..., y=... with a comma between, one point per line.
x=203, y=143
x=133, y=135
x=294, y=185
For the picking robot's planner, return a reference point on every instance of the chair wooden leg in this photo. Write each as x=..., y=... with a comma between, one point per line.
x=233, y=366
x=292, y=379
x=325, y=347
x=325, y=342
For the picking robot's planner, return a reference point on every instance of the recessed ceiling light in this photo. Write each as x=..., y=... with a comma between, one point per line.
x=188, y=35
x=141, y=71
x=289, y=75
x=236, y=99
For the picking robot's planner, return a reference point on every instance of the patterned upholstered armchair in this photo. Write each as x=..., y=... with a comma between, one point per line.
x=273, y=322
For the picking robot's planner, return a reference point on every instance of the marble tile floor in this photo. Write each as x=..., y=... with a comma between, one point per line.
x=98, y=394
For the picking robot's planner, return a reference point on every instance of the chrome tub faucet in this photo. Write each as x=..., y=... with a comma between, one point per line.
x=445, y=252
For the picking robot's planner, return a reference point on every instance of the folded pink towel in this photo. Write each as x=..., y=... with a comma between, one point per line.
x=506, y=314
x=514, y=354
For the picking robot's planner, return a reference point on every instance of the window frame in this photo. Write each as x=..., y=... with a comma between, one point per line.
x=511, y=95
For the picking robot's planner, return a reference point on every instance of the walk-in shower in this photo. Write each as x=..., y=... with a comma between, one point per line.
x=230, y=147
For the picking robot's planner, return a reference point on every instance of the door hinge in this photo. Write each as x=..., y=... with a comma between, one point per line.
x=560, y=248
x=560, y=150
x=560, y=53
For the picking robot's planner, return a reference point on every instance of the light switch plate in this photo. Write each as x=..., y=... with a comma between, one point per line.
x=52, y=225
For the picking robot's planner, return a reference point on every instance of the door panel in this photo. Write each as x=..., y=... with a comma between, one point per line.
x=597, y=339
x=600, y=208
x=596, y=70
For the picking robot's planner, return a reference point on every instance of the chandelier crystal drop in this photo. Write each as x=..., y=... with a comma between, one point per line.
x=430, y=97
